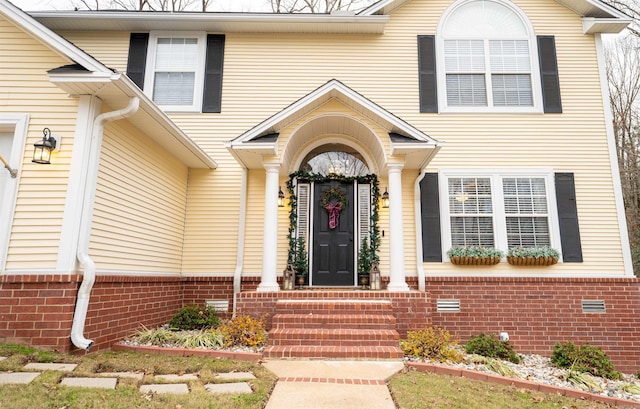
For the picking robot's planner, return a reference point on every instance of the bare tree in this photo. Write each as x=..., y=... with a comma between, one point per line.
x=623, y=75
x=316, y=6
x=149, y=5
x=630, y=8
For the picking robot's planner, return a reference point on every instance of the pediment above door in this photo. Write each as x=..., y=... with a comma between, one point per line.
x=384, y=134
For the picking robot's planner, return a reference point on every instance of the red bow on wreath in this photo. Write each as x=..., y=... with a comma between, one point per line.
x=334, y=209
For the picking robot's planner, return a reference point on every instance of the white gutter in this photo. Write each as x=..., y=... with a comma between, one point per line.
x=88, y=196
x=237, y=274
x=418, y=213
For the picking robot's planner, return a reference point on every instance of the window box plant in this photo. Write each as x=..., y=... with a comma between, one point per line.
x=474, y=255
x=533, y=256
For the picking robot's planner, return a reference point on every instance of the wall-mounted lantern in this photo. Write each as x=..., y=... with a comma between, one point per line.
x=280, y=198
x=385, y=199
x=42, y=149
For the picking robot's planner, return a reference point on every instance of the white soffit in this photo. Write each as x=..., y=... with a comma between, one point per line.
x=211, y=22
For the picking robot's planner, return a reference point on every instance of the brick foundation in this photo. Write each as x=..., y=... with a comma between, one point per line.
x=536, y=312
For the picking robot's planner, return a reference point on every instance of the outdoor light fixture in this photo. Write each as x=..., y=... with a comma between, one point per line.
x=12, y=172
x=42, y=149
x=288, y=278
x=374, y=277
x=280, y=198
x=385, y=199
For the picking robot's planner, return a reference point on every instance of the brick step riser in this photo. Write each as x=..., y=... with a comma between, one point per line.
x=329, y=307
x=333, y=343
x=335, y=326
x=323, y=334
x=332, y=353
x=328, y=311
x=328, y=319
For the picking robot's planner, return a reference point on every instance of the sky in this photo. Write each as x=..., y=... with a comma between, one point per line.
x=218, y=5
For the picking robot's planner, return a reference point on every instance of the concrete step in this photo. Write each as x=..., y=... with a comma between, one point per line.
x=335, y=321
x=333, y=352
x=333, y=337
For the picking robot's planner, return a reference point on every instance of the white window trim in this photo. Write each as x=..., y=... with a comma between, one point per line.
x=536, y=86
x=198, y=87
x=499, y=216
x=18, y=123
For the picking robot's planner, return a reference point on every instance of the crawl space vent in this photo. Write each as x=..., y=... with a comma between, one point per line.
x=593, y=307
x=448, y=305
x=218, y=305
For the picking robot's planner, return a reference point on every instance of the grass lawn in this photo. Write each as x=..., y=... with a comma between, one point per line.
x=418, y=390
x=45, y=391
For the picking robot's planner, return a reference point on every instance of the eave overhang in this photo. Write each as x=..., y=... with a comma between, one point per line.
x=115, y=90
x=211, y=22
x=415, y=146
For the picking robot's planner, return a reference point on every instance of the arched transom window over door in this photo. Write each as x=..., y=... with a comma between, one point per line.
x=334, y=159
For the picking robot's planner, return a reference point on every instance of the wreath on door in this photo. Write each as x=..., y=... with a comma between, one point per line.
x=333, y=200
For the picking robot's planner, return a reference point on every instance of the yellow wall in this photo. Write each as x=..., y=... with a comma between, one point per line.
x=25, y=89
x=265, y=73
x=139, y=212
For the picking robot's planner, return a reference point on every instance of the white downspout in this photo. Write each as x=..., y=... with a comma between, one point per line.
x=418, y=213
x=237, y=274
x=88, y=197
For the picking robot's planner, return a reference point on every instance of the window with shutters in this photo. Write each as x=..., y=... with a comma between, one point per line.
x=487, y=52
x=175, y=70
x=498, y=209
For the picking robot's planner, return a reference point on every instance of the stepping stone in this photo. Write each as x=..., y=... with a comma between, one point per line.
x=134, y=375
x=104, y=383
x=235, y=376
x=51, y=367
x=175, y=388
x=17, y=377
x=180, y=378
x=236, y=388
x=2, y=358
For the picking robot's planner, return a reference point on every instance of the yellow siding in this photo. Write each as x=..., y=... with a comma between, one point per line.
x=139, y=212
x=110, y=49
x=265, y=73
x=25, y=89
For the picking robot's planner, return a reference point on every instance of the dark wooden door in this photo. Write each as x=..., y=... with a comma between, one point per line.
x=333, y=251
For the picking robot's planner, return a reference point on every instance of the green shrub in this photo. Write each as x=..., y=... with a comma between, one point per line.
x=491, y=347
x=194, y=317
x=244, y=330
x=584, y=358
x=431, y=343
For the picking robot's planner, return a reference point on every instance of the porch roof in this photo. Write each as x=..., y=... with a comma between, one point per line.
x=260, y=142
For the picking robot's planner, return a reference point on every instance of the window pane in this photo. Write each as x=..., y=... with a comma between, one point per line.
x=176, y=54
x=466, y=90
x=509, y=56
x=173, y=88
x=512, y=90
x=471, y=211
x=527, y=231
x=464, y=56
x=525, y=203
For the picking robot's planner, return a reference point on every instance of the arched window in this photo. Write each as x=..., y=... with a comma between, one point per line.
x=335, y=159
x=487, y=56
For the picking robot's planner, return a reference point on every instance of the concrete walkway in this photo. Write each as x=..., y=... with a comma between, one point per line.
x=332, y=384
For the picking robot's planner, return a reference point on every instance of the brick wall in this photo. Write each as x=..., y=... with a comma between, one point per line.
x=538, y=312
x=37, y=309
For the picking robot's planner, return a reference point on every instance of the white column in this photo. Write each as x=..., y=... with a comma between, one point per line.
x=270, y=238
x=396, y=234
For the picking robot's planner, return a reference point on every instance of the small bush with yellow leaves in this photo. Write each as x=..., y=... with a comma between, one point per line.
x=244, y=330
x=431, y=343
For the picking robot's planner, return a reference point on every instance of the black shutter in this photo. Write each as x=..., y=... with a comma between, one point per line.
x=568, y=218
x=212, y=100
x=549, y=74
x=137, y=62
x=430, y=213
x=427, y=73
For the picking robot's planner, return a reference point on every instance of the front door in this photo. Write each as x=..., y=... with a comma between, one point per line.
x=333, y=238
